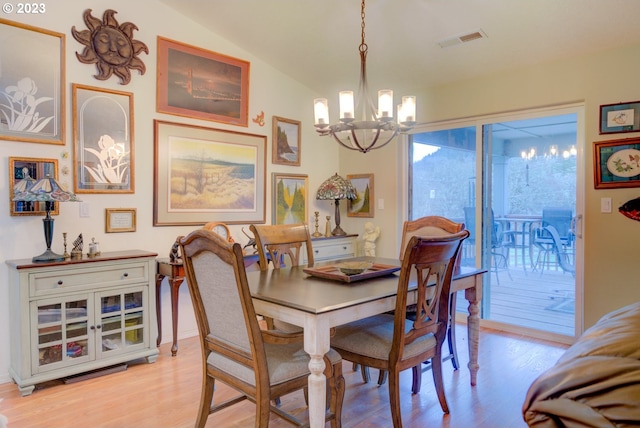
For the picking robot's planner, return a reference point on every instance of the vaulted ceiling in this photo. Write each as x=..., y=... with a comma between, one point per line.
x=316, y=41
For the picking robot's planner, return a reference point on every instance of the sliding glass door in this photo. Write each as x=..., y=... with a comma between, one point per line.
x=513, y=181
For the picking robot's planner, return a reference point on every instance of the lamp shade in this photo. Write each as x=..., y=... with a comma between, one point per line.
x=49, y=191
x=46, y=189
x=336, y=187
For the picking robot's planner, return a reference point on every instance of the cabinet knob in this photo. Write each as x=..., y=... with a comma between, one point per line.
x=60, y=282
x=316, y=251
x=125, y=274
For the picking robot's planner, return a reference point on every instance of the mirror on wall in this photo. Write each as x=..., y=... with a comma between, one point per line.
x=22, y=172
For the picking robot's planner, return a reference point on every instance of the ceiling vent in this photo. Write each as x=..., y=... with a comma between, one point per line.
x=476, y=35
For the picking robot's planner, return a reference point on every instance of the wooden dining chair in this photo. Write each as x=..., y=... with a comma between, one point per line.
x=261, y=365
x=277, y=243
x=393, y=343
x=430, y=226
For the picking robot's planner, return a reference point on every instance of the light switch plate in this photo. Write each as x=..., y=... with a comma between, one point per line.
x=605, y=205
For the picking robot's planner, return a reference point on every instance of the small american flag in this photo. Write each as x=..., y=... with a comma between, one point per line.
x=77, y=244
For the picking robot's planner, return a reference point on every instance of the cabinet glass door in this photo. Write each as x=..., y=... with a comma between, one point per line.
x=122, y=320
x=62, y=332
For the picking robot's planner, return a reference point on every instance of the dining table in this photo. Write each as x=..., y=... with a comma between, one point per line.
x=318, y=303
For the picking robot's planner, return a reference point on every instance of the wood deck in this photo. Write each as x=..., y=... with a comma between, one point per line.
x=529, y=299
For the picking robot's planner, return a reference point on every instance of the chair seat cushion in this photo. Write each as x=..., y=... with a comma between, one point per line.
x=372, y=337
x=285, y=362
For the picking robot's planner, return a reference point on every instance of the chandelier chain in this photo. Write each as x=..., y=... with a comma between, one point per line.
x=363, y=45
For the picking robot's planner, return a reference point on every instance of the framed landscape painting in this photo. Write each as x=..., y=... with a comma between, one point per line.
x=32, y=87
x=202, y=84
x=205, y=174
x=290, y=198
x=286, y=141
x=362, y=206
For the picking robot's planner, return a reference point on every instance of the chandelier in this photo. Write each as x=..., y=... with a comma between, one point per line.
x=376, y=128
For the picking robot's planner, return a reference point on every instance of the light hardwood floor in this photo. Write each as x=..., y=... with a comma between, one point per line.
x=166, y=393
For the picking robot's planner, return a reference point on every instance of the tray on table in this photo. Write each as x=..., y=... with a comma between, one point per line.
x=333, y=272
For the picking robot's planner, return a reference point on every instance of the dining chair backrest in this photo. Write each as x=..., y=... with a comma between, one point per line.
x=429, y=262
x=224, y=311
x=275, y=241
x=235, y=350
x=428, y=226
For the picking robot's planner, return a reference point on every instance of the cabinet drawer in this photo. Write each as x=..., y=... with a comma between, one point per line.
x=53, y=282
x=336, y=251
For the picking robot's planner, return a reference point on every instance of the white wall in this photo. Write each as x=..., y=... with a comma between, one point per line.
x=270, y=91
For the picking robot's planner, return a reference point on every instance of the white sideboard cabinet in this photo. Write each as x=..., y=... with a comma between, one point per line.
x=80, y=315
x=333, y=248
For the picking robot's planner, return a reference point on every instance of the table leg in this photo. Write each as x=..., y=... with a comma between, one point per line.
x=473, y=329
x=175, y=290
x=316, y=344
x=159, y=278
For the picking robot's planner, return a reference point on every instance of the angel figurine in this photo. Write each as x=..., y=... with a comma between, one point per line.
x=370, y=236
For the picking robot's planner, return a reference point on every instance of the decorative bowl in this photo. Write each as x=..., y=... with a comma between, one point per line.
x=353, y=268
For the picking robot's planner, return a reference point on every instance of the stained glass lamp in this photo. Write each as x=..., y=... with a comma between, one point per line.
x=45, y=190
x=336, y=188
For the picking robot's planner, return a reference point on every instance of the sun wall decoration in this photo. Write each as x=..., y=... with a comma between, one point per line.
x=110, y=46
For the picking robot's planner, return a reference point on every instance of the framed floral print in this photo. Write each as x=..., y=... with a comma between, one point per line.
x=617, y=163
x=32, y=84
x=103, y=143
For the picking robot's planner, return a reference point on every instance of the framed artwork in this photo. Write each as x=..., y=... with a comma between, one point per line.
x=32, y=85
x=103, y=143
x=617, y=163
x=120, y=220
x=286, y=141
x=622, y=117
x=363, y=205
x=23, y=172
x=202, y=84
x=290, y=198
x=205, y=174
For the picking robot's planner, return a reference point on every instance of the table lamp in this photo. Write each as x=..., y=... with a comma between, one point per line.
x=336, y=188
x=45, y=190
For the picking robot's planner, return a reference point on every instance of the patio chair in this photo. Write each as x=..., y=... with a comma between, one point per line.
x=561, y=219
x=498, y=259
x=261, y=365
x=558, y=248
x=393, y=343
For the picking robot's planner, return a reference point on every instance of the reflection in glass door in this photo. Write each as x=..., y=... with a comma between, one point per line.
x=531, y=189
x=511, y=182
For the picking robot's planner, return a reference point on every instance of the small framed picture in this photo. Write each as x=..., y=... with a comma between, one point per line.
x=286, y=141
x=120, y=220
x=363, y=204
x=622, y=117
x=617, y=163
x=290, y=198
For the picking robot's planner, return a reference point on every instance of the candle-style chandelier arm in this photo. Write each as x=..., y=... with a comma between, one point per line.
x=375, y=128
